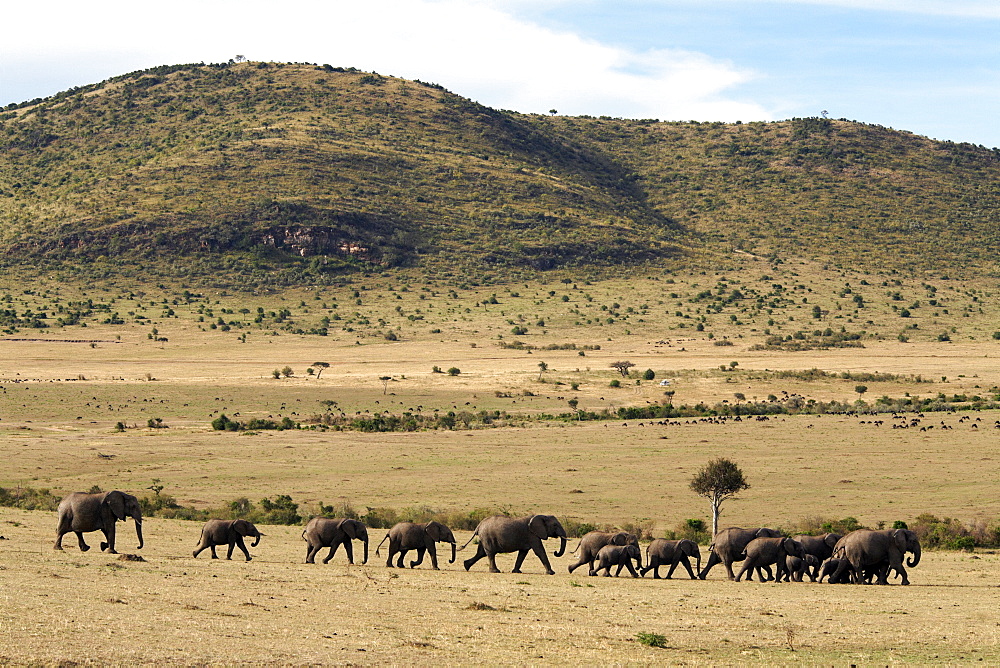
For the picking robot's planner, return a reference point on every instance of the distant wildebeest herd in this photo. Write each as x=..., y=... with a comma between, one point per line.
x=860, y=556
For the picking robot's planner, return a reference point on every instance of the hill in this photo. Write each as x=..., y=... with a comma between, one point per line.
x=297, y=173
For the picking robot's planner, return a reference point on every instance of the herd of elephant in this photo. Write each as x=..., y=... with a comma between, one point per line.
x=860, y=556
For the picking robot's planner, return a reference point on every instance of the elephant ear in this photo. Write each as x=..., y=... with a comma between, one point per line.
x=537, y=526
x=242, y=527
x=899, y=538
x=350, y=528
x=115, y=501
x=434, y=530
x=620, y=538
x=831, y=539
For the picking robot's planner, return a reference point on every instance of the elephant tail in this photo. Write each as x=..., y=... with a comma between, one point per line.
x=577, y=548
x=380, y=545
x=474, y=534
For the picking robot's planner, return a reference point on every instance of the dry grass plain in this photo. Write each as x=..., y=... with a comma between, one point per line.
x=59, y=403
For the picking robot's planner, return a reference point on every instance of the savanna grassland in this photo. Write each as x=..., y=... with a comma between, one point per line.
x=154, y=355
x=281, y=290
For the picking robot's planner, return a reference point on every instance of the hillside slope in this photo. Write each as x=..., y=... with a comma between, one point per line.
x=299, y=172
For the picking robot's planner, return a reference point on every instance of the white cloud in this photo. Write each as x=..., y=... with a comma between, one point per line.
x=475, y=48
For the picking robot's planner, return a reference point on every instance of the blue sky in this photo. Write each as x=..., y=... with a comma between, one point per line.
x=925, y=66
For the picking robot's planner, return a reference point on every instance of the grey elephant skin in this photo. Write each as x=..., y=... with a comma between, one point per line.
x=829, y=570
x=322, y=532
x=592, y=542
x=227, y=532
x=797, y=567
x=729, y=544
x=761, y=552
x=880, y=550
x=407, y=536
x=621, y=556
x=80, y=513
x=820, y=547
x=662, y=552
x=516, y=534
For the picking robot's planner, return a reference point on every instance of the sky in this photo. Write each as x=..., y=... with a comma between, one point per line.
x=927, y=66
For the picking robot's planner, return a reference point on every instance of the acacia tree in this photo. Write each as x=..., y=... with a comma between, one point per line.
x=719, y=480
x=542, y=368
x=321, y=366
x=622, y=367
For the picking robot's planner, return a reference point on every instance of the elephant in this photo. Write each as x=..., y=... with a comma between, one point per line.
x=829, y=569
x=80, y=512
x=729, y=544
x=231, y=532
x=332, y=533
x=662, y=551
x=592, y=542
x=617, y=555
x=820, y=547
x=762, y=552
x=866, y=548
x=500, y=533
x=407, y=536
x=796, y=567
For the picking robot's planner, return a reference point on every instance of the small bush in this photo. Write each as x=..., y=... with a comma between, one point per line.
x=615, y=383
x=454, y=371
x=652, y=640
x=648, y=374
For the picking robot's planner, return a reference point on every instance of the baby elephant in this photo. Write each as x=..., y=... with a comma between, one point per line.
x=620, y=555
x=231, y=532
x=673, y=552
x=829, y=570
x=796, y=567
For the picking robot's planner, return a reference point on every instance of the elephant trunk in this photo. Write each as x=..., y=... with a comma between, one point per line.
x=365, y=560
x=256, y=539
x=454, y=547
x=699, y=561
x=138, y=531
x=910, y=563
x=562, y=546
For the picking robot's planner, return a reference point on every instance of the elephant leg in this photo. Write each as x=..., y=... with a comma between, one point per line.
x=311, y=551
x=333, y=551
x=539, y=551
x=728, y=563
x=198, y=551
x=400, y=558
x=687, y=564
x=214, y=555
x=109, y=536
x=713, y=559
x=480, y=553
x=392, y=553
x=420, y=557
x=583, y=560
x=651, y=565
x=621, y=565
x=631, y=569
x=79, y=537
x=350, y=551
x=673, y=566
x=748, y=569
x=242, y=546
x=432, y=552
x=521, y=554
x=492, y=557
